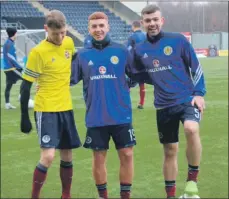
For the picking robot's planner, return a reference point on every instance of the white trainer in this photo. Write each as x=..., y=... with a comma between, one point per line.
x=9, y=106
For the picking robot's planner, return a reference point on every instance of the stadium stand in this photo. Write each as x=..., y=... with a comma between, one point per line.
x=19, y=9
x=76, y=12
x=183, y=17
x=80, y=10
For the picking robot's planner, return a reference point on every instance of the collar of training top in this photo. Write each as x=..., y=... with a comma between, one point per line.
x=137, y=31
x=101, y=44
x=154, y=39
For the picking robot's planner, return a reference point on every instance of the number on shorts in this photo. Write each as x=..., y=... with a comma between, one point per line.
x=197, y=113
x=132, y=135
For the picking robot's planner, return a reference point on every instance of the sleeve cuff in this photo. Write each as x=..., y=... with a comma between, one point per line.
x=198, y=93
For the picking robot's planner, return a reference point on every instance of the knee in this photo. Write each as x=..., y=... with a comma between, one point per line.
x=8, y=86
x=126, y=155
x=191, y=128
x=47, y=157
x=170, y=150
x=66, y=155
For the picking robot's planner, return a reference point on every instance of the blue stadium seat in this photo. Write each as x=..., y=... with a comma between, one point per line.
x=77, y=13
x=19, y=9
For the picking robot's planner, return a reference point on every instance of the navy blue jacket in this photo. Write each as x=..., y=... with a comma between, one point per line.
x=106, y=90
x=137, y=37
x=9, y=56
x=169, y=62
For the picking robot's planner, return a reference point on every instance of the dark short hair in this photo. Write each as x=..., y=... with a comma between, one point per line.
x=136, y=24
x=11, y=31
x=149, y=9
x=55, y=19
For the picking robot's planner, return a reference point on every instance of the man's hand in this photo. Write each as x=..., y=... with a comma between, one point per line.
x=199, y=102
x=131, y=84
x=26, y=125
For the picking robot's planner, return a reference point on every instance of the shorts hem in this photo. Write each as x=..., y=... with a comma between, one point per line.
x=174, y=142
x=96, y=148
x=48, y=147
x=127, y=146
x=72, y=147
x=190, y=120
x=55, y=147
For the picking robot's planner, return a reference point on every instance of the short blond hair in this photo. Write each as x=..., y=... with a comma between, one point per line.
x=55, y=19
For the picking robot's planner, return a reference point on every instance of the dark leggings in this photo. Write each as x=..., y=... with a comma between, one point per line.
x=7, y=92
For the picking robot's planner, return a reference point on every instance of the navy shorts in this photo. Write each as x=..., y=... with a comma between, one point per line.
x=57, y=130
x=98, y=138
x=13, y=76
x=168, y=121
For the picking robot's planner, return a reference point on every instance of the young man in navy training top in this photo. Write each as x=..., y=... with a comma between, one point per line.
x=87, y=40
x=169, y=63
x=12, y=68
x=103, y=66
x=138, y=36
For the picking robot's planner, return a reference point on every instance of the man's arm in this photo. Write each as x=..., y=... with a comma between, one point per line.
x=32, y=71
x=130, y=42
x=26, y=125
x=9, y=58
x=76, y=71
x=74, y=56
x=191, y=61
x=135, y=70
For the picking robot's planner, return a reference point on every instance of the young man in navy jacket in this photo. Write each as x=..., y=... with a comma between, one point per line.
x=103, y=66
x=169, y=63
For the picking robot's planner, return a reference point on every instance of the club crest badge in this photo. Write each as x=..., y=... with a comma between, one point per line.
x=114, y=60
x=168, y=50
x=67, y=54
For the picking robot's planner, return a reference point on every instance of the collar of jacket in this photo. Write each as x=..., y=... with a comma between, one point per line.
x=101, y=44
x=153, y=39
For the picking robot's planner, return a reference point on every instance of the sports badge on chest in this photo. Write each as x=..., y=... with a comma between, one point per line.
x=114, y=60
x=67, y=54
x=168, y=50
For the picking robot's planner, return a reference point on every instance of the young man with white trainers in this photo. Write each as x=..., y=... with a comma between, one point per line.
x=12, y=68
x=169, y=63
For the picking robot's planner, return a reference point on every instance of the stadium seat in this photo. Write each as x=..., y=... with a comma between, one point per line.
x=19, y=9
x=76, y=12
x=77, y=15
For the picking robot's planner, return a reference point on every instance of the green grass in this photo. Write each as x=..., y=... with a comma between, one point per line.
x=20, y=153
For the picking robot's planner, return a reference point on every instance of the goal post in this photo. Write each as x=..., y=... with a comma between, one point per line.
x=25, y=40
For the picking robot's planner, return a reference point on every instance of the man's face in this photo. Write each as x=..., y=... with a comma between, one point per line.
x=98, y=28
x=132, y=28
x=152, y=23
x=56, y=36
x=15, y=36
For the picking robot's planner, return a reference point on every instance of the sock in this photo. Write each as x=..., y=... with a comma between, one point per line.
x=39, y=177
x=192, y=173
x=66, y=173
x=142, y=94
x=102, y=190
x=170, y=188
x=125, y=190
